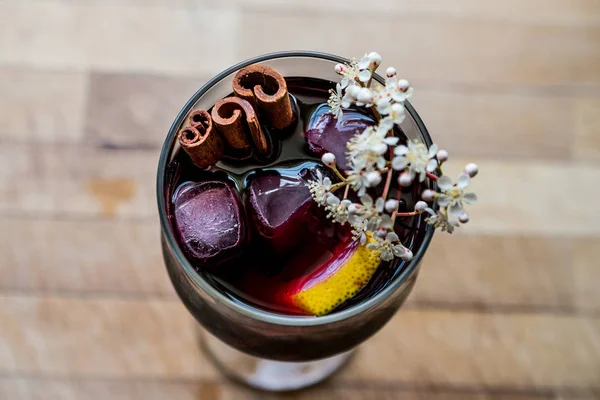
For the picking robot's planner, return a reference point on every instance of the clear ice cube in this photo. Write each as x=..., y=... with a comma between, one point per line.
x=210, y=220
x=280, y=206
x=326, y=134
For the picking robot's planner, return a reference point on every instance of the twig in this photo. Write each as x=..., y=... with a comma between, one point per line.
x=432, y=176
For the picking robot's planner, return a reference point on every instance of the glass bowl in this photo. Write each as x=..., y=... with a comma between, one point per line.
x=261, y=348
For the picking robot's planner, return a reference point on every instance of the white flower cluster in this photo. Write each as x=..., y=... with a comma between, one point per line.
x=367, y=157
x=376, y=156
x=414, y=159
x=364, y=217
x=451, y=199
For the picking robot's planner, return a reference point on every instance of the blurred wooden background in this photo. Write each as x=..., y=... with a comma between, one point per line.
x=508, y=308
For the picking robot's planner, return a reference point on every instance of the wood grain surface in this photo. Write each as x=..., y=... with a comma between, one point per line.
x=507, y=308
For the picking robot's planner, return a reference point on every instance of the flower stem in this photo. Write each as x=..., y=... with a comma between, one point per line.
x=338, y=185
x=388, y=178
x=376, y=113
x=346, y=192
x=396, y=213
x=404, y=214
x=372, y=69
x=338, y=173
x=432, y=176
x=386, y=188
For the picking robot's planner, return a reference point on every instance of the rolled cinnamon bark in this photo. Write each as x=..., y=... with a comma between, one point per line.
x=267, y=91
x=199, y=118
x=200, y=139
x=235, y=118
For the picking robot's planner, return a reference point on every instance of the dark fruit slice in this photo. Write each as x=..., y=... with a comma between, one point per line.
x=210, y=221
x=326, y=134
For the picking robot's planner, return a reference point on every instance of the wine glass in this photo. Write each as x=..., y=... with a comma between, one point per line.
x=264, y=349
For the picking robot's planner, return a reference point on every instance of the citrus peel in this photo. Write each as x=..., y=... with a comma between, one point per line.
x=338, y=280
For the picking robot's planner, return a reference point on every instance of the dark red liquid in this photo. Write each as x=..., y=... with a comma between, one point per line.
x=283, y=238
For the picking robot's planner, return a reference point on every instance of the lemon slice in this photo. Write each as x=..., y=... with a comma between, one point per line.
x=338, y=281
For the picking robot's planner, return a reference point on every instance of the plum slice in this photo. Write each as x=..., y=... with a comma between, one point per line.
x=210, y=221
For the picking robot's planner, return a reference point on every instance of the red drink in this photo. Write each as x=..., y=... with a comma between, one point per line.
x=249, y=225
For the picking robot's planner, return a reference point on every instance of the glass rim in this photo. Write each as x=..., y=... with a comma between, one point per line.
x=263, y=315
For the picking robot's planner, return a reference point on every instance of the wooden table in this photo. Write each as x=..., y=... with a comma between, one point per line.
x=507, y=308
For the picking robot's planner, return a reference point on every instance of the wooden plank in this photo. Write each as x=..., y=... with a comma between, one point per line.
x=586, y=253
x=82, y=257
x=128, y=338
x=499, y=124
x=586, y=141
x=41, y=106
x=442, y=51
x=515, y=350
x=523, y=197
x=134, y=109
x=515, y=11
x=490, y=43
x=77, y=181
x=64, y=389
x=509, y=272
x=351, y=392
x=101, y=338
x=89, y=389
x=123, y=258
x=117, y=37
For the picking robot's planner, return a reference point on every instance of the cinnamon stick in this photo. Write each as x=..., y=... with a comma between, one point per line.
x=236, y=120
x=200, y=139
x=267, y=91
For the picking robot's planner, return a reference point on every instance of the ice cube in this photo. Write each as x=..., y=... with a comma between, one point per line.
x=210, y=221
x=326, y=134
x=280, y=205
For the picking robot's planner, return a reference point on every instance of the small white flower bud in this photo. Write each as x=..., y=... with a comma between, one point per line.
x=398, y=109
x=390, y=72
x=463, y=218
x=421, y=206
x=375, y=58
x=403, y=85
x=471, y=169
x=428, y=195
x=373, y=178
x=339, y=68
x=442, y=156
x=391, y=205
x=404, y=179
x=407, y=256
x=328, y=159
x=365, y=96
x=353, y=208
